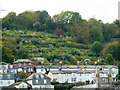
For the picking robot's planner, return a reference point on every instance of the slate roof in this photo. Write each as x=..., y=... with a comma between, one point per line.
x=3, y=63
x=76, y=66
x=37, y=76
x=17, y=83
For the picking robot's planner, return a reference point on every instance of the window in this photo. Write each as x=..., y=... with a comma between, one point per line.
x=1, y=82
x=73, y=74
x=8, y=82
x=8, y=76
x=66, y=80
x=74, y=79
x=37, y=76
x=42, y=76
x=29, y=64
x=24, y=64
x=45, y=81
x=25, y=70
x=55, y=79
x=80, y=74
x=29, y=70
x=5, y=71
x=1, y=76
x=36, y=81
x=19, y=64
x=23, y=86
x=66, y=74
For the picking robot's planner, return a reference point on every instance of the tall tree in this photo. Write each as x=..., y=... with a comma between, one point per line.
x=97, y=47
x=114, y=49
x=7, y=55
x=109, y=31
x=8, y=21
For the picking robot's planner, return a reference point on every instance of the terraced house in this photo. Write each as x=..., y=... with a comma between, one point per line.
x=76, y=73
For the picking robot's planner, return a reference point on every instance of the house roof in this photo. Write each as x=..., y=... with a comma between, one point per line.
x=37, y=76
x=3, y=63
x=76, y=66
x=23, y=60
x=17, y=83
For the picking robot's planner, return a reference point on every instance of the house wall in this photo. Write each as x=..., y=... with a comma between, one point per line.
x=24, y=67
x=41, y=82
x=6, y=82
x=7, y=66
x=51, y=87
x=58, y=77
x=76, y=77
x=40, y=70
x=39, y=85
x=50, y=75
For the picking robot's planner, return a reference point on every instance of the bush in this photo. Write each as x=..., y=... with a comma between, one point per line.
x=67, y=86
x=79, y=83
x=118, y=77
x=54, y=82
x=34, y=41
x=87, y=82
x=97, y=47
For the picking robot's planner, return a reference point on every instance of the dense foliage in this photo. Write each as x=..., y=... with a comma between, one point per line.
x=65, y=38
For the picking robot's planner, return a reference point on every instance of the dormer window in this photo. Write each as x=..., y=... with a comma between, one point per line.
x=37, y=76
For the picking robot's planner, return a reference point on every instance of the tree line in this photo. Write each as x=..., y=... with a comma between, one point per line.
x=66, y=23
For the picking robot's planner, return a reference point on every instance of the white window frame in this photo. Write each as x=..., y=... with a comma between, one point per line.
x=1, y=76
x=45, y=81
x=42, y=76
x=8, y=76
x=9, y=82
x=30, y=64
x=19, y=64
x=23, y=86
x=24, y=64
x=1, y=82
x=36, y=81
x=37, y=76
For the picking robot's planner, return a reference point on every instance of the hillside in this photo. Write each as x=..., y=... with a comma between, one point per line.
x=66, y=38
